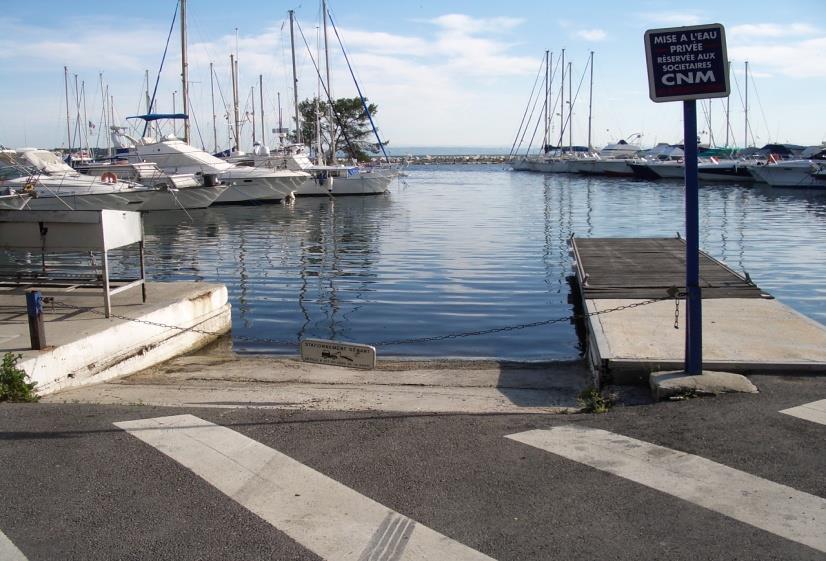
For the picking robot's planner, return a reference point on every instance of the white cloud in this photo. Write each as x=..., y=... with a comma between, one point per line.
x=674, y=19
x=787, y=59
x=592, y=34
x=779, y=49
x=769, y=30
x=464, y=24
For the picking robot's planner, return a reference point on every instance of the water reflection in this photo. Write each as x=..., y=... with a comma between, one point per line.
x=466, y=248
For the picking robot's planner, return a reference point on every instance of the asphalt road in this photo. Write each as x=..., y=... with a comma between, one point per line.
x=74, y=486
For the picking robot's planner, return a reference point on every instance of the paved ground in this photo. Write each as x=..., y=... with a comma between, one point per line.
x=76, y=486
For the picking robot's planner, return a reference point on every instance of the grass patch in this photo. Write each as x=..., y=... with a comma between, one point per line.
x=591, y=400
x=13, y=384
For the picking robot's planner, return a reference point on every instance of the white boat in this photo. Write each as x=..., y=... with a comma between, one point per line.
x=332, y=180
x=611, y=160
x=243, y=184
x=557, y=164
x=56, y=186
x=526, y=163
x=729, y=170
x=808, y=173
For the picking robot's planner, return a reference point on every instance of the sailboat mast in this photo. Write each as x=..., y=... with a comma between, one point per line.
x=104, y=94
x=570, y=106
x=252, y=100
x=547, y=96
x=562, y=102
x=78, y=132
x=68, y=116
x=214, y=116
x=728, y=107
x=184, y=71
x=236, y=129
x=261, y=99
x=710, y=129
x=295, y=81
x=86, y=121
x=111, y=109
x=590, y=98
x=746, y=145
x=280, y=122
x=320, y=157
x=549, y=100
x=330, y=120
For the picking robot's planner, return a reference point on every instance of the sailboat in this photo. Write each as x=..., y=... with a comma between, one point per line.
x=176, y=156
x=333, y=179
x=54, y=185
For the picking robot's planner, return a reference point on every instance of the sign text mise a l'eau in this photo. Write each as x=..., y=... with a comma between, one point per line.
x=687, y=62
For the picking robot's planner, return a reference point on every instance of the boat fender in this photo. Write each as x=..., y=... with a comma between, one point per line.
x=109, y=178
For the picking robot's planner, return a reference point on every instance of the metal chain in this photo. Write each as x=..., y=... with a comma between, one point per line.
x=520, y=326
x=166, y=326
x=387, y=342
x=676, y=313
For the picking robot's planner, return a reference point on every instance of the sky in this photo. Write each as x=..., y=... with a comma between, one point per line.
x=443, y=73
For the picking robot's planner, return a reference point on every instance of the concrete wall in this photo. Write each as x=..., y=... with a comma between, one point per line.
x=120, y=347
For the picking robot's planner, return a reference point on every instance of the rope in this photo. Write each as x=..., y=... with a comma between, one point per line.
x=358, y=89
x=329, y=98
x=163, y=59
x=525, y=113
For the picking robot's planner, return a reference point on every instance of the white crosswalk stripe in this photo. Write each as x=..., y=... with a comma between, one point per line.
x=9, y=551
x=326, y=517
x=814, y=412
x=776, y=508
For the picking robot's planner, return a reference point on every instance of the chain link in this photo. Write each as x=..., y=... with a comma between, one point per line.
x=572, y=317
x=59, y=304
x=387, y=342
x=676, y=313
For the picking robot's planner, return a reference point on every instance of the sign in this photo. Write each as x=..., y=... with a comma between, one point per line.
x=336, y=353
x=687, y=62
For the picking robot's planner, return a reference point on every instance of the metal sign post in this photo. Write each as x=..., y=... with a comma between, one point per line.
x=686, y=64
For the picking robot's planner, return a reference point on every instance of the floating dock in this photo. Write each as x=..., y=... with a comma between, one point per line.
x=745, y=330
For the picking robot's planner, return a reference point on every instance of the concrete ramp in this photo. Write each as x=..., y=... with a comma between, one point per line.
x=85, y=347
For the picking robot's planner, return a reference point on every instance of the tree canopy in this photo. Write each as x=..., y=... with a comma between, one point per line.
x=350, y=132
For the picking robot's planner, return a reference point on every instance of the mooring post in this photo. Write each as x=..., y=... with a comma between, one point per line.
x=694, y=326
x=34, y=309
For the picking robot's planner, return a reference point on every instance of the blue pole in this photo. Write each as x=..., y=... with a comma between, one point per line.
x=694, y=326
x=34, y=310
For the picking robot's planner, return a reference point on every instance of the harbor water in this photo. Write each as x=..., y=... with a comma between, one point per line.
x=463, y=249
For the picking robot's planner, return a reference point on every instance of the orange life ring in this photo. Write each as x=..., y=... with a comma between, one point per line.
x=109, y=177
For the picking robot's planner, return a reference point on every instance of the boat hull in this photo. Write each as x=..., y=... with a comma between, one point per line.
x=611, y=168
x=359, y=184
x=247, y=188
x=807, y=176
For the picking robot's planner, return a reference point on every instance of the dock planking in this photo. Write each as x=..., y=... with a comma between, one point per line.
x=745, y=330
x=644, y=268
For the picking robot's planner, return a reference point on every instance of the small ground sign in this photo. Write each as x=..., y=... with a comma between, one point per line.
x=687, y=62
x=336, y=353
